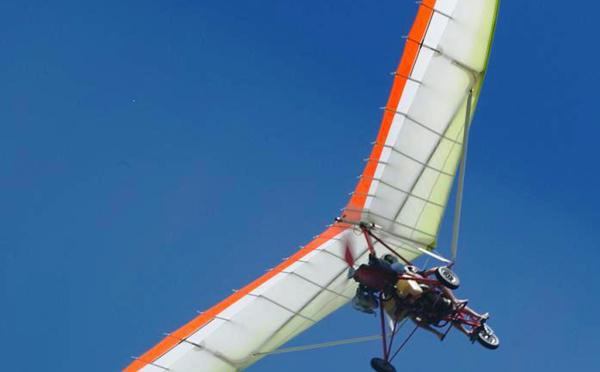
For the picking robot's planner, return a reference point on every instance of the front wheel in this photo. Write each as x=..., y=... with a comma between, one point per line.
x=447, y=277
x=487, y=338
x=381, y=365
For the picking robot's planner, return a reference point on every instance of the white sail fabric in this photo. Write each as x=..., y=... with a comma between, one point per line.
x=415, y=158
x=266, y=317
x=404, y=190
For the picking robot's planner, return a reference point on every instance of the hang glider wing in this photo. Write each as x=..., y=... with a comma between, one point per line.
x=403, y=189
x=409, y=175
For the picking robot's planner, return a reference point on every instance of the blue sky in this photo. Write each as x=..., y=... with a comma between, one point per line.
x=156, y=154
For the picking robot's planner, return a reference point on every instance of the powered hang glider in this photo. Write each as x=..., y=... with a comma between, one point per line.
x=403, y=192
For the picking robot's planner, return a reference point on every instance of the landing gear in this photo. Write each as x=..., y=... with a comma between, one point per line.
x=382, y=365
x=447, y=277
x=487, y=338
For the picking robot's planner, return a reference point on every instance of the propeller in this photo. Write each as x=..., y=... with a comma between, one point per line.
x=349, y=255
x=349, y=258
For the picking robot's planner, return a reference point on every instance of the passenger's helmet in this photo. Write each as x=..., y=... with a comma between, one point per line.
x=389, y=258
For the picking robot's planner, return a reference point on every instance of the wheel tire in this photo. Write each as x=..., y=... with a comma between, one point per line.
x=447, y=277
x=381, y=365
x=487, y=338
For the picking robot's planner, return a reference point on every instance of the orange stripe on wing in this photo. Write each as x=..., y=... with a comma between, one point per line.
x=357, y=201
x=201, y=320
x=407, y=62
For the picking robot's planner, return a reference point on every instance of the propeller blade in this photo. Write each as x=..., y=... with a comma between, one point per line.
x=349, y=256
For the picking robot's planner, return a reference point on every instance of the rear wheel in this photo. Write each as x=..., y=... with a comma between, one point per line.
x=487, y=338
x=447, y=277
x=381, y=365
